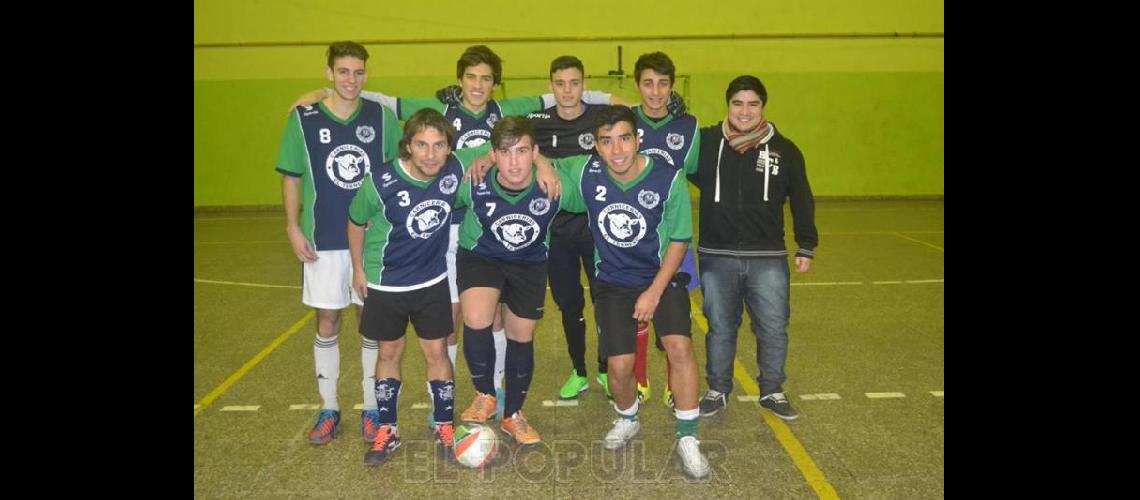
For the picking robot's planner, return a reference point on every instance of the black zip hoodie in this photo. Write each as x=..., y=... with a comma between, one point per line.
x=742, y=197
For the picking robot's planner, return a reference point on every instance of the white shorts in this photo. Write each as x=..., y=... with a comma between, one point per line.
x=452, y=275
x=328, y=281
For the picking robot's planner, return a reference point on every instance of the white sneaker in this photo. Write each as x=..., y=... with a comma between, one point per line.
x=695, y=464
x=624, y=430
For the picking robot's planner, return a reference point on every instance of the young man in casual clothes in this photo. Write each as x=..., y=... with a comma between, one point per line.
x=747, y=171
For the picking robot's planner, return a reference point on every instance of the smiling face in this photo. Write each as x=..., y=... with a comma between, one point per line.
x=347, y=76
x=655, y=89
x=428, y=149
x=617, y=145
x=478, y=82
x=745, y=110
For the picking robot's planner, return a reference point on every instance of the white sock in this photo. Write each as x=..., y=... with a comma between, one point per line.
x=500, y=356
x=369, y=351
x=631, y=411
x=451, y=351
x=687, y=414
x=326, y=353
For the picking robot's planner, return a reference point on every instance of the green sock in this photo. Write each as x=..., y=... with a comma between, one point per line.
x=687, y=422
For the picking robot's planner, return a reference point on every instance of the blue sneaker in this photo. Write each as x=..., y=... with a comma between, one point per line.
x=501, y=396
x=369, y=424
x=325, y=430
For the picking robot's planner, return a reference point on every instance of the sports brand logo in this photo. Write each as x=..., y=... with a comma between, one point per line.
x=622, y=225
x=346, y=166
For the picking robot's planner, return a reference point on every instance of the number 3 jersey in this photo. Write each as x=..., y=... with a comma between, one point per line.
x=514, y=228
x=406, y=245
x=332, y=157
x=633, y=223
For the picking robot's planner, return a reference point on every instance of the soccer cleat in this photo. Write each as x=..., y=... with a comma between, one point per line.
x=369, y=424
x=387, y=440
x=445, y=436
x=667, y=398
x=483, y=407
x=623, y=430
x=644, y=392
x=713, y=402
x=603, y=379
x=325, y=429
x=692, y=460
x=518, y=428
x=574, y=385
x=779, y=405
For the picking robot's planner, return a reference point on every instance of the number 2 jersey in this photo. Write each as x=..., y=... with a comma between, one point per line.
x=406, y=246
x=632, y=223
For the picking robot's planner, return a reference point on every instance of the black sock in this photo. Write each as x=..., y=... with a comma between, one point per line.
x=520, y=369
x=479, y=350
x=574, y=326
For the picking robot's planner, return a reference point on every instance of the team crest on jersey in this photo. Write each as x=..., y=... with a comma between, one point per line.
x=648, y=199
x=586, y=140
x=365, y=133
x=448, y=184
x=659, y=154
x=492, y=119
x=427, y=217
x=622, y=225
x=458, y=124
x=347, y=165
x=539, y=206
x=473, y=138
x=515, y=231
x=675, y=141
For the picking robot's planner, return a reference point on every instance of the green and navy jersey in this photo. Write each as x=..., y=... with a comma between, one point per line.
x=471, y=129
x=558, y=138
x=671, y=141
x=332, y=157
x=633, y=223
x=513, y=228
x=406, y=246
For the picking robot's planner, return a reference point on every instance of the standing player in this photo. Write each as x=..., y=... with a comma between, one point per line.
x=672, y=139
x=327, y=151
x=398, y=267
x=641, y=221
x=502, y=258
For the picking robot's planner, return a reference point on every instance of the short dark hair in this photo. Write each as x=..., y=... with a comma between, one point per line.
x=746, y=82
x=656, y=61
x=566, y=62
x=338, y=50
x=610, y=115
x=422, y=119
x=511, y=130
x=476, y=55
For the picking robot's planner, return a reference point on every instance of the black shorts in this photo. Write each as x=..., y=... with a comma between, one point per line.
x=522, y=287
x=386, y=314
x=617, y=330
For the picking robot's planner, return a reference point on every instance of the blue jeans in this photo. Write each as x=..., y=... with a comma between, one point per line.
x=763, y=283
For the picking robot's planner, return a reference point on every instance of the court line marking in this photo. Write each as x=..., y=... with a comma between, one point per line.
x=884, y=395
x=791, y=445
x=931, y=245
x=241, y=408
x=237, y=283
x=218, y=391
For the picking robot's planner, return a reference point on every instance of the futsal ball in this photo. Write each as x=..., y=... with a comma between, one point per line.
x=475, y=445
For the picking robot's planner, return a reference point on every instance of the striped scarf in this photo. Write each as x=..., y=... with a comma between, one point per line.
x=743, y=141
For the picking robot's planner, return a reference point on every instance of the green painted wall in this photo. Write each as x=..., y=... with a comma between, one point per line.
x=868, y=113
